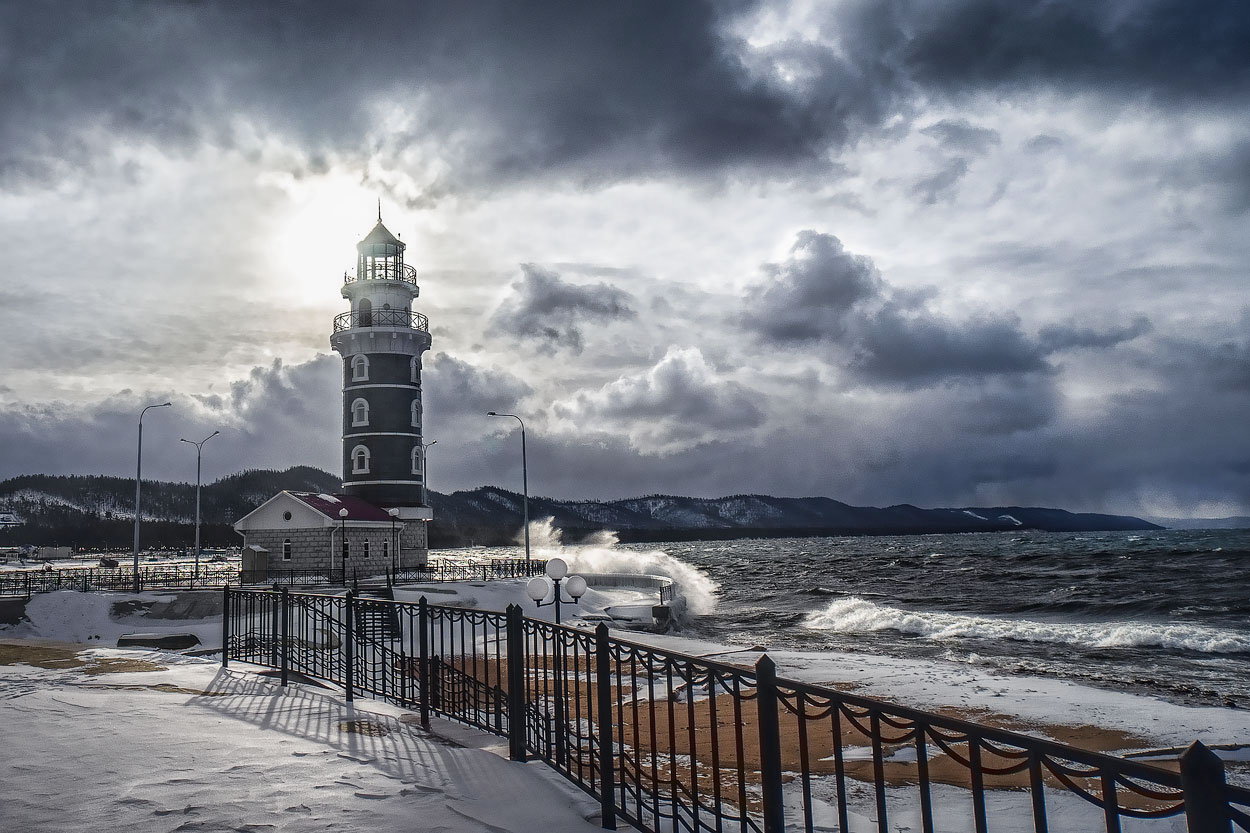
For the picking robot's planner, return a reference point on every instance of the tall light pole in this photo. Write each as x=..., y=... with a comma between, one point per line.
x=525, y=487
x=425, y=472
x=198, y=448
x=138, y=483
x=343, y=559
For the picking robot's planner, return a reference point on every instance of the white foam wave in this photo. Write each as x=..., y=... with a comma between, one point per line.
x=600, y=554
x=857, y=615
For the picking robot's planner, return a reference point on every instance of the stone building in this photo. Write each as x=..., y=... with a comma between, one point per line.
x=380, y=517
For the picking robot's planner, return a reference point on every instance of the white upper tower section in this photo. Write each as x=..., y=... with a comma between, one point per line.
x=381, y=290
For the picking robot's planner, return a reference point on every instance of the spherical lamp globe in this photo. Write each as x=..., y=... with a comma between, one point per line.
x=557, y=569
x=537, y=588
x=576, y=585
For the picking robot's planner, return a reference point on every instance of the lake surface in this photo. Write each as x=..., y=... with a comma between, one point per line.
x=1167, y=612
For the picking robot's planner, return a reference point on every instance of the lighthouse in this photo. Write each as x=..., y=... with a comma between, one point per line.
x=377, y=524
x=381, y=340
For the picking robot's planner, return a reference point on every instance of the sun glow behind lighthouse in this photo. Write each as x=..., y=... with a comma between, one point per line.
x=315, y=238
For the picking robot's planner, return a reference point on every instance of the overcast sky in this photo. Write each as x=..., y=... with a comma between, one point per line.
x=947, y=253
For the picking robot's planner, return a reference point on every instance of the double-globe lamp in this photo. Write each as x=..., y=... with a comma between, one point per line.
x=540, y=586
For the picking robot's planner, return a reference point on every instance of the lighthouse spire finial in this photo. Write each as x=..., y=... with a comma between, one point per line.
x=379, y=209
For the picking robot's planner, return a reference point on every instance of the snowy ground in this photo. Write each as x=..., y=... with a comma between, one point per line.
x=197, y=747
x=171, y=757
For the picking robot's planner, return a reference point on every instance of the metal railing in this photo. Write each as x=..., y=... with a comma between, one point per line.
x=384, y=272
x=381, y=318
x=496, y=568
x=669, y=741
x=27, y=583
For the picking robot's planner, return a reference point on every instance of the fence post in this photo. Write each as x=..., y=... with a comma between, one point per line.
x=770, y=744
x=423, y=660
x=1206, y=802
x=350, y=648
x=516, y=684
x=225, y=627
x=607, y=758
x=274, y=625
x=286, y=635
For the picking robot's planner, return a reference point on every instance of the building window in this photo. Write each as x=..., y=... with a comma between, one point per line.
x=416, y=413
x=360, y=368
x=347, y=550
x=386, y=550
x=360, y=413
x=360, y=460
x=286, y=550
x=364, y=313
x=418, y=463
x=364, y=548
x=415, y=369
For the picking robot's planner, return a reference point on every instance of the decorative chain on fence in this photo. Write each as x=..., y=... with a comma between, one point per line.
x=668, y=741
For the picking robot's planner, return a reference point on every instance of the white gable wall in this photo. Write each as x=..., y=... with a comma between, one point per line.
x=270, y=515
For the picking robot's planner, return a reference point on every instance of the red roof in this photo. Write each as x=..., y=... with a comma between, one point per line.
x=329, y=505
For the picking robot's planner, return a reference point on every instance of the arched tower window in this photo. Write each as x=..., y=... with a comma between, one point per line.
x=364, y=313
x=416, y=370
x=360, y=412
x=360, y=460
x=418, y=463
x=286, y=550
x=360, y=368
x=416, y=413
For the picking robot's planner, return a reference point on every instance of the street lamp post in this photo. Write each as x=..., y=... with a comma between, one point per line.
x=343, y=556
x=198, y=448
x=537, y=589
x=425, y=472
x=557, y=569
x=394, y=513
x=525, y=488
x=138, y=484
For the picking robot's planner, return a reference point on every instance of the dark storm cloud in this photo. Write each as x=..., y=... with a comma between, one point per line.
x=807, y=297
x=604, y=88
x=678, y=402
x=274, y=418
x=1064, y=336
x=1172, y=50
x=941, y=184
x=824, y=295
x=457, y=389
x=551, y=311
x=602, y=91
x=961, y=136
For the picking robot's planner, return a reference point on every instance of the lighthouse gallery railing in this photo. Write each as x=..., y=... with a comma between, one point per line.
x=381, y=318
x=669, y=741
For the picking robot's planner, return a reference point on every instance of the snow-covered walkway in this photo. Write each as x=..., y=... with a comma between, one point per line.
x=194, y=747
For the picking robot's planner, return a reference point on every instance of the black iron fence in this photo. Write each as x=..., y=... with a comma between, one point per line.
x=495, y=568
x=668, y=741
x=27, y=583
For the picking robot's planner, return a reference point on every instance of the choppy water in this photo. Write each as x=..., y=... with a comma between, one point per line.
x=1164, y=612
x=1167, y=612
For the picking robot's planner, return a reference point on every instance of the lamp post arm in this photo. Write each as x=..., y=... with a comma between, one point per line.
x=138, y=487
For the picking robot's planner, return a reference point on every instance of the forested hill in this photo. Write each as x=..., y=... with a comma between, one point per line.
x=93, y=510
x=99, y=511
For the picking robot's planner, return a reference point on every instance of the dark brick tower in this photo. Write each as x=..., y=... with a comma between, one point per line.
x=381, y=341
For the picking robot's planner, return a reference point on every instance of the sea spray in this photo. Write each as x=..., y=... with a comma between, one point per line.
x=599, y=554
x=858, y=615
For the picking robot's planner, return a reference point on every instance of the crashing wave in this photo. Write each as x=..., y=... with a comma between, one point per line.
x=857, y=615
